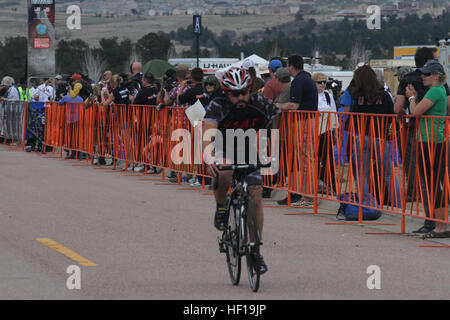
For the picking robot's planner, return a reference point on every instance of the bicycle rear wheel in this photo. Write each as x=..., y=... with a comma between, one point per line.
x=231, y=239
x=252, y=253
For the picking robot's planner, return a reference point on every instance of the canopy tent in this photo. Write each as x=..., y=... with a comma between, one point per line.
x=255, y=58
x=157, y=67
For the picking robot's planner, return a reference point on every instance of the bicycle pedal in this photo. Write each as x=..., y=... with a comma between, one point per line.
x=221, y=245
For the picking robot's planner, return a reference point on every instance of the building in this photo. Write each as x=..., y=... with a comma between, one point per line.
x=408, y=52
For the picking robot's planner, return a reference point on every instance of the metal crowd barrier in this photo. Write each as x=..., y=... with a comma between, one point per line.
x=376, y=158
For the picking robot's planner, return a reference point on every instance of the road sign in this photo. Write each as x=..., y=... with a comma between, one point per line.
x=197, y=24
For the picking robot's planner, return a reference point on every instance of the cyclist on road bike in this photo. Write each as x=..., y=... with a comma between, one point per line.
x=238, y=109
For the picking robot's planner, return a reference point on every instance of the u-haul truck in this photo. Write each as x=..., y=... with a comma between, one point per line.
x=209, y=65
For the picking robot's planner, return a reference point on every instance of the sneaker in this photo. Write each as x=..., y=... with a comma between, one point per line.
x=305, y=202
x=423, y=229
x=192, y=181
x=139, y=168
x=261, y=264
x=131, y=167
x=294, y=198
x=173, y=178
x=221, y=218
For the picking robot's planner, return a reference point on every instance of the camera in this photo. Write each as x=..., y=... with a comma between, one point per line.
x=335, y=86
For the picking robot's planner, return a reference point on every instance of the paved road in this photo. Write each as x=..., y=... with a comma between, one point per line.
x=151, y=240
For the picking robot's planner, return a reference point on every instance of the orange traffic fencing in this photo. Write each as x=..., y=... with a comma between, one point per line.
x=394, y=165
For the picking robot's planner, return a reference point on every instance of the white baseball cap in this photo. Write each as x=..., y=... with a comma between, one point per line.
x=247, y=64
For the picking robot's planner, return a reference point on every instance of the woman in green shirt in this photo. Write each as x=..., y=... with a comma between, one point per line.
x=432, y=141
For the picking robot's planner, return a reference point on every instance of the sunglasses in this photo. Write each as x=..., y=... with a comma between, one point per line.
x=209, y=84
x=237, y=93
x=321, y=82
x=426, y=74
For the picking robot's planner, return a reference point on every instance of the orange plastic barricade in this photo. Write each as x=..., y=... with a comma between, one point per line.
x=394, y=165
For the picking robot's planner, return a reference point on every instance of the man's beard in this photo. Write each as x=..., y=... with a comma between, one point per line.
x=241, y=104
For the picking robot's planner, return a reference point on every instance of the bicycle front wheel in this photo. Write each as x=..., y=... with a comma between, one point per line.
x=231, y=235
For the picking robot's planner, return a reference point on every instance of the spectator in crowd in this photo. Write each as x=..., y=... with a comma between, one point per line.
x=431, y=138
x=272, y=88
x=263, y=72
x=10, y=91
x=402, y=71
x=401, y=108
x=119, y=94
x=149, y=92
x=147, y=96
x=257, y=83
x=136, y=74
x=189, y=97
x=327, y=138
x=75, y=86
x=194, y=91
x=212, y=88
x=60, y=88
x=371, y=98
x=284, y=78
x=303, y=96
x=72, y=105
x=24, y=91
x=45, y=91
x=346, y=99
x=106, y=85
x=170, y=98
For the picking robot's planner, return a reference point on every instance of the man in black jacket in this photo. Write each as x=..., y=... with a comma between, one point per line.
x=195, y=91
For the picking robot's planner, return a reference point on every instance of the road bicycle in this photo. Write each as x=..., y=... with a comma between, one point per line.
x=241, y=237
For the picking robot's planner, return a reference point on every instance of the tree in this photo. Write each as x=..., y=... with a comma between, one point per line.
x=13, y=54
x=115, y=53
x=69, y=55
x=153, y=46
x=358, y=54
x=93, y=66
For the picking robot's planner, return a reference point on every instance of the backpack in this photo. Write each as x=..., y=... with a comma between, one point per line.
x=350, y=212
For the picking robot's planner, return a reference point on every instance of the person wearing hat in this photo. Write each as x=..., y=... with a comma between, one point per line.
x=272, y=88
x=401, y=108
x=11, y=92
x=401, y=71
x=263, y=72
x=60, y=89
x=250, y=67
x=431, y=142
x=76, y=86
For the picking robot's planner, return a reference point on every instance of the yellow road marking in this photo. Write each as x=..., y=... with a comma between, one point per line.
x=52, y=244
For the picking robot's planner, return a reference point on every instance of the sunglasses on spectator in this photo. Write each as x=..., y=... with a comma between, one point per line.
x=426, y=74
x=321, y=82
x=209, y=84
x=237, y=93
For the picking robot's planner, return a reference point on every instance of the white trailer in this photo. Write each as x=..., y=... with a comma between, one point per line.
x=444, y=56
x=209, y=65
